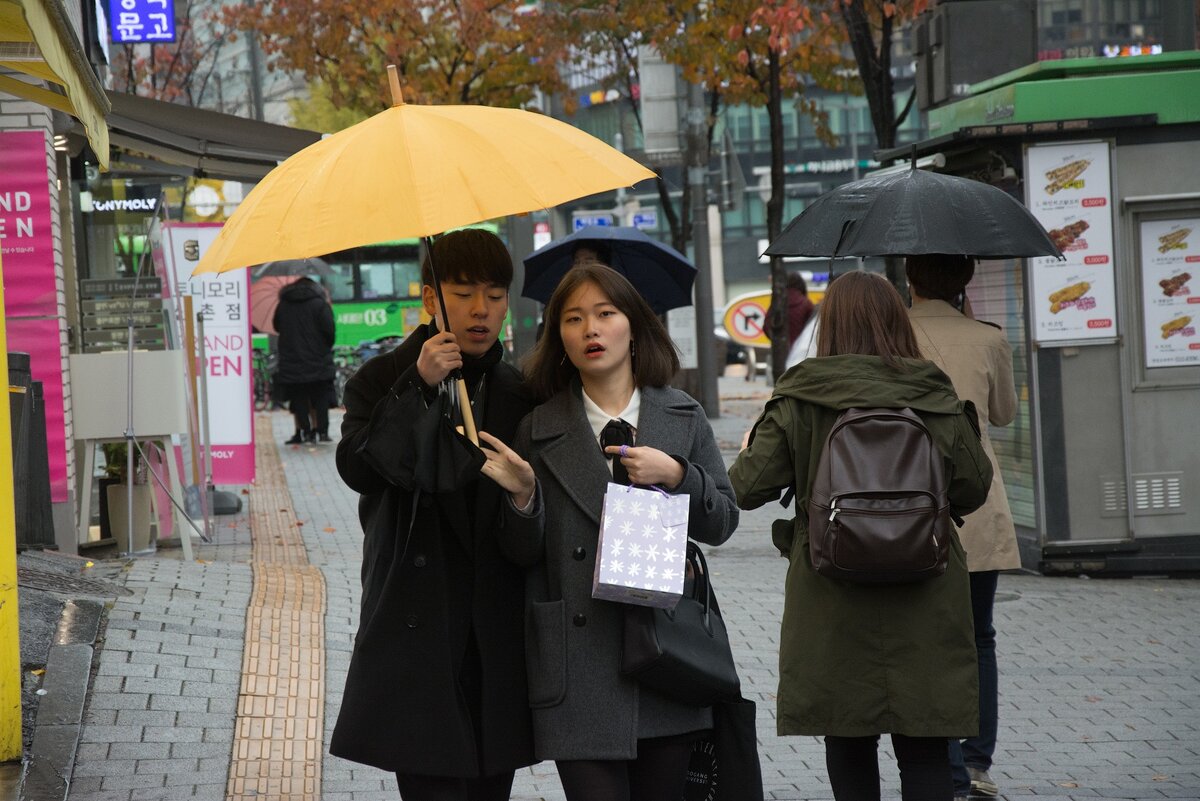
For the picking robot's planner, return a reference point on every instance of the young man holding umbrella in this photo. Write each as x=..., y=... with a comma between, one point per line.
x=436, y=688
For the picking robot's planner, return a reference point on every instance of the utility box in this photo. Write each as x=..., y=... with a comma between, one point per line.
x=962, y=42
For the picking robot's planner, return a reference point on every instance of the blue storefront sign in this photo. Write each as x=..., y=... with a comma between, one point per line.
x=133, y=21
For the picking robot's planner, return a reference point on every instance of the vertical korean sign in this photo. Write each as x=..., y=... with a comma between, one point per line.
x=222, y=300
x=1171, y=291
x=31, y=296
x=1069, y=191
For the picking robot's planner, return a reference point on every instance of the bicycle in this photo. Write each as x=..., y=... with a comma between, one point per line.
x=263, y=366
x=348, y=358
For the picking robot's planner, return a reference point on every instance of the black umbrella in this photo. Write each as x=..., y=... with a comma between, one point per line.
x=660, y=273
x=291, y=267
x=912, y=212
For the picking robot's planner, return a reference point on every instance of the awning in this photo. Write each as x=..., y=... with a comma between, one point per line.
x=37, y=39
x=206, y=144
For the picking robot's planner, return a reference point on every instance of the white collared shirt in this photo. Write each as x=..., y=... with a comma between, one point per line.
x=598, y=418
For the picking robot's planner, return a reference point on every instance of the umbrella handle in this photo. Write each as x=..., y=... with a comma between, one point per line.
x=464, y=403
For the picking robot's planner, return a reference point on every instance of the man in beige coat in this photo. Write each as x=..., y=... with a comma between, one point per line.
x=978, y=360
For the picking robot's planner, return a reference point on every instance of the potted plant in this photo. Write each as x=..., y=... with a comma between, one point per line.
x=116, y=495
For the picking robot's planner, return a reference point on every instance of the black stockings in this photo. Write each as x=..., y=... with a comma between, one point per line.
x=659, y=772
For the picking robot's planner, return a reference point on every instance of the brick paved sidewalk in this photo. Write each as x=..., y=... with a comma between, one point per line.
x=1100, y=679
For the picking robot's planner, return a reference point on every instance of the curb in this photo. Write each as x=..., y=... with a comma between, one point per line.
x=51, y=760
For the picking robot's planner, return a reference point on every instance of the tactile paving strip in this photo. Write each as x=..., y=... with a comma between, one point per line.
x=281, y=707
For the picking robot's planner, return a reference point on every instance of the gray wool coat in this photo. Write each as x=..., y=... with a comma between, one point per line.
x=583, y=708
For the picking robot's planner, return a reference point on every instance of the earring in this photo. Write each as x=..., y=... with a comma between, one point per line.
x=563, y=360
x=632, y=352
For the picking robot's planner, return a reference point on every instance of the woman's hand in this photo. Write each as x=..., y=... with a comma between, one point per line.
x=648, y=466
x=506, y=467
x=439, y=356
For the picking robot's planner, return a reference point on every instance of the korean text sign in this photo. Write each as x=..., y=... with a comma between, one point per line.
x=1070, y=193
x=134, y=21
x=222, y=299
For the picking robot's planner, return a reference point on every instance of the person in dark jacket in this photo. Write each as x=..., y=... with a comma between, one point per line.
x=436, y=690
x=799, y=308
x=603, y=364
x=858, y=660
x=304, y=320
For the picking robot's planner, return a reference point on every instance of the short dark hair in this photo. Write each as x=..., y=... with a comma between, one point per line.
x=602, y=250
x=939, y=276
x=469, y=256
x=548, y=369
x=864, y=314
x=796, y=281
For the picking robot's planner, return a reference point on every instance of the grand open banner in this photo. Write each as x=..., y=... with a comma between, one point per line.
x=222, y=300
x=35, y=325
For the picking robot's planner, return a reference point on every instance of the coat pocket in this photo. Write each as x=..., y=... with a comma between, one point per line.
x=546, y=652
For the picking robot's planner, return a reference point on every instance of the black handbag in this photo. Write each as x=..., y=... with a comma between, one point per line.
x=682, y=653
x=724, y=764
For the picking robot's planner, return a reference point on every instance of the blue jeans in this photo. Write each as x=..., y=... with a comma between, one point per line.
x=977, y=751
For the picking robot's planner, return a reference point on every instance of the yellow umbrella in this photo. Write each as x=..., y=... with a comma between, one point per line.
x=415, y=171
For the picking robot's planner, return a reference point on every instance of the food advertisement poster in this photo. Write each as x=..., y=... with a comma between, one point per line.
x=1070, y=193
x=1171, y=291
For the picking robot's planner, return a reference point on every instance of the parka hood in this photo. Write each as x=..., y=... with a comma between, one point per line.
x=301, y=291
x=846, y=382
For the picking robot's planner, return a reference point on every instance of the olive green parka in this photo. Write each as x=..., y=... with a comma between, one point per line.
x=854, y=659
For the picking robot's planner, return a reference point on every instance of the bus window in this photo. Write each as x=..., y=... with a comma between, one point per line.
x=390, y=279
x=341, y=282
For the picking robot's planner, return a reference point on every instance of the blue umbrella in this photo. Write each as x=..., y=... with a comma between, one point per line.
x=661, y=274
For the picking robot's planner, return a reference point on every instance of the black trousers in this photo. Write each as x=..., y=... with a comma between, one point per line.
x=414, y=787
x=658, y=773
x=312, y=397
x=853, y=764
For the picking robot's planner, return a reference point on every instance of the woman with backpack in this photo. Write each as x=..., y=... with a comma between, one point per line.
x=896, y=656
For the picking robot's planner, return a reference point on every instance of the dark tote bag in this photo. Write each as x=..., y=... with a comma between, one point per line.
x=684, y=652
x=724, y=765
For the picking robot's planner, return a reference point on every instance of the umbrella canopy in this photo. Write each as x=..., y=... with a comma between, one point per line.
x=293, y=267
x=264, y=299
x=414, y=171
x=661, y=274
x=912, y=212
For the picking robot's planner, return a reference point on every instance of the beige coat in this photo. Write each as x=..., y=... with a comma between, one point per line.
x=978, y=360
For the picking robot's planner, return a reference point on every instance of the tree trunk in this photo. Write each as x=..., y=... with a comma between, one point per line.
x=874, y=68
x=778, y=321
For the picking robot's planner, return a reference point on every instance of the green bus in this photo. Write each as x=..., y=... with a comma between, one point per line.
x=376, y=291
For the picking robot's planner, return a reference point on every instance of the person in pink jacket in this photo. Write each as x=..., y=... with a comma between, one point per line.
x=978, y=359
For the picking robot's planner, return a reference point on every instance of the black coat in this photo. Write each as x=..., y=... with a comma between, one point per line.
x=415, y=698
x=304, y=321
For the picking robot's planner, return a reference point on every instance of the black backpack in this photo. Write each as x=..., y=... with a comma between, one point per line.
x=879, y=511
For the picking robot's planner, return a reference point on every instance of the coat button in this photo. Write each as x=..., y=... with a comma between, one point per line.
x=419, y=560
x=411, y=621
x=580, y=620
x=580, y=554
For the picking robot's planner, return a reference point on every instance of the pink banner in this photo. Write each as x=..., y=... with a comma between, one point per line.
x=30, y=300
x=26, y=236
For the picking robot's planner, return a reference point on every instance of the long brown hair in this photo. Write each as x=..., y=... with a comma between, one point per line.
x=655, y=361
x=862, y=313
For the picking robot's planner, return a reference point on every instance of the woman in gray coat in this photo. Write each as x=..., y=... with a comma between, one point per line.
x=603, y=363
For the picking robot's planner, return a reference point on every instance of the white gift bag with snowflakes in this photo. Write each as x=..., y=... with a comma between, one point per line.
x=643, y=547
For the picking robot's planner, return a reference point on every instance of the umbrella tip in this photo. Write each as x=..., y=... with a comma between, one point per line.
x=913, y=160
x=394, y=83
